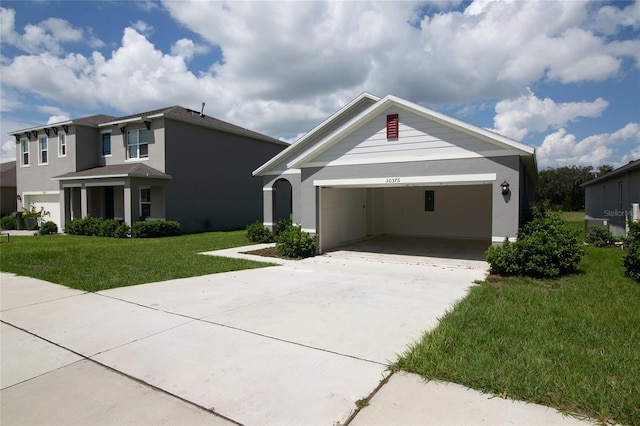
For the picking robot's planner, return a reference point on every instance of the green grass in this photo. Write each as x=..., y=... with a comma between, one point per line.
x=570, y=343
x=96, y=263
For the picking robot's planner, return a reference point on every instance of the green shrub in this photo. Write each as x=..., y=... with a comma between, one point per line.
x=155, y=229
x=48, y=228
x=8, y=222
x=295, y=243
x=282, y=224
x=108, y=227
x=545, y=248
x=258, y=233
x=122, y=231
x=631, y=260
x=600, y=237
x=89, y=226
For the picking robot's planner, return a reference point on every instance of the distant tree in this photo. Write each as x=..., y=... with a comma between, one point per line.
x=561, y=186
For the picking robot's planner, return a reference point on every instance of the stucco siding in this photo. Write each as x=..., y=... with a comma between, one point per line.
x=213, y=188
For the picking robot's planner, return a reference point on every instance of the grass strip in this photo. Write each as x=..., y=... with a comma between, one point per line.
x=570, y=343
x=97, y=263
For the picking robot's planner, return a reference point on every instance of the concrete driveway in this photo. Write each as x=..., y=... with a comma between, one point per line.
x=298, y=343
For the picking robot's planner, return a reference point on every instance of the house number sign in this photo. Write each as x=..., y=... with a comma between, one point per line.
x=393, y=180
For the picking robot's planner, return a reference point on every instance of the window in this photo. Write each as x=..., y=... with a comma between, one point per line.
x=429, y=201
x=106, y=144
x=138, y=143
x=24, y=151
x=62, y=145
x=44, y=150
x=392, y=126
x=145, y=202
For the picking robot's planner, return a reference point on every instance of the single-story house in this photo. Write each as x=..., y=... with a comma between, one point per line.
x=613, y=199
x=8, y=192
x=171, y=163
x=387, y=166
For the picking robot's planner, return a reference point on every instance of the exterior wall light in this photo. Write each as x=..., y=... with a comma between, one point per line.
x=505, y=187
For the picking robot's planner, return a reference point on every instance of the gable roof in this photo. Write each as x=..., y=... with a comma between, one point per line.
x=363, y=100
x=631, y=165
x=90, y=120
x=310, y=148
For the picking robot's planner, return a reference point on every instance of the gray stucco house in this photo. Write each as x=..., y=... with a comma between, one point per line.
x=172, y=163
x=613, y=199
x=387, y=166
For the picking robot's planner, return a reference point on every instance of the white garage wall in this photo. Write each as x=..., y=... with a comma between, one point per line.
x=460, y=212
x=342, y=216
x=50, y=202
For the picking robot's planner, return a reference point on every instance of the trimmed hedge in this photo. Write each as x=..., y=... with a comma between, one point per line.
x=631, y=260
x=258, y=233
x=155, y=229
x=295, y=243
x=48, y=228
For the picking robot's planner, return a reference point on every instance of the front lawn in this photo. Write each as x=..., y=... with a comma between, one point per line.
x=570, y=343
x=98, y=263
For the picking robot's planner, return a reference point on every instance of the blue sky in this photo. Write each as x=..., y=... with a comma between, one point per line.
x=563, y=76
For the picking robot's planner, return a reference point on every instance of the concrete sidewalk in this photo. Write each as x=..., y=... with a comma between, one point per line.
x=296, y=344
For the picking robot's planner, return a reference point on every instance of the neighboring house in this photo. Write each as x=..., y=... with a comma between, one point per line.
x=7, y=188
x=391, y=167
x=612, y=199
x=172, y=163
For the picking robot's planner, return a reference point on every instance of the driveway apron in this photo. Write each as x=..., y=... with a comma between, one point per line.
x=298, y=343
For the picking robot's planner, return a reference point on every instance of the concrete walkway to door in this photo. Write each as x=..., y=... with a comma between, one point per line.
x=299, y=344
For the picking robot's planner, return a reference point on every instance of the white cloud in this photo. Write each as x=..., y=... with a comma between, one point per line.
x=561, y=148
x=46, y=36
x=187, y=48
x=518, y=117
x=57, y=119
x=8, y=151
x=142, y=27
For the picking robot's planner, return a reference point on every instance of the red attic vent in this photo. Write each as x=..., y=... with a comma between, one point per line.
x=392, y=126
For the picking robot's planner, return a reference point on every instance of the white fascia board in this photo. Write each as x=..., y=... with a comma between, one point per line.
x=116, y=122
x=282, y=172
x=41, y=193
x=118, y=176
x=401, y=181
x=262, y=169
x=42, y=127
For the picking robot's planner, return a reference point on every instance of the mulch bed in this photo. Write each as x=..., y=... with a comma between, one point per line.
x=270, y=252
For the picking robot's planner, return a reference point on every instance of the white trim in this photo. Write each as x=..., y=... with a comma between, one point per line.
x=309, y=230
x=401, y=181
x=268, y=224
x=121, y=175
x=495, y=239
x=116, y=122
x=29, y=193
x=267, y=189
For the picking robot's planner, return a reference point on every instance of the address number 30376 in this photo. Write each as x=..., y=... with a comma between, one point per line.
x=393, y=180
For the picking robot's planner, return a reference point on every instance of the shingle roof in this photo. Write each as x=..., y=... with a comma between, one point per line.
x=93, y=119
x=116, y=170
x=8, y=174
x=631, y=165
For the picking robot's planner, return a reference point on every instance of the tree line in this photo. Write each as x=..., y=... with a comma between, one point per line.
x=561, y=186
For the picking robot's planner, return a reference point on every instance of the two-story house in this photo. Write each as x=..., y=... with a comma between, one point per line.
x=172, y=163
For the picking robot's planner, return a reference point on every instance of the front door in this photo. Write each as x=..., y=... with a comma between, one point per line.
x=108, y=202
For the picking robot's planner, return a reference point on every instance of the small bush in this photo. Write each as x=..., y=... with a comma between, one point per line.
x=631, y=260
x=8, y=222
x=600, y=237
x=108, y=227
x=155, y=229
x=258, y=233
x=281, y=225
x=48, y=228
x=89, y=226
x=295, y=243
x=545, y=248
x=122, y=231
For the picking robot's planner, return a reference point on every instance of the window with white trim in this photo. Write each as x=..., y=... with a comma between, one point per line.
x=43, y=145
x=24, y=152
x=106, y=144
x=62, y=145
x=138, y=143
x=145, y=202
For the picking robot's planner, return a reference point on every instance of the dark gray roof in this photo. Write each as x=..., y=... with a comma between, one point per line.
x=116, y=170
x=631, y=165
x=8, y=174
x=94, y=120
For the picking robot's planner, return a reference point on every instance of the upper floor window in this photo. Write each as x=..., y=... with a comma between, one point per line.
x=44, y=150
x=106, y=144
x=62, y=145
x=138, y=143
x=24, y=152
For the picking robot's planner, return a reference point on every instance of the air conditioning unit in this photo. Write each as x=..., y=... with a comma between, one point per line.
x=589, y=224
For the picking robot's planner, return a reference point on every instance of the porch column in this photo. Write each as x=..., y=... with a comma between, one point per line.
x=127, y=203
x=268, y=208
x=63, y=208
x=84, y=202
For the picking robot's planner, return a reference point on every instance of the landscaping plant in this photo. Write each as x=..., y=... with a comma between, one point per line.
x=155, y=229
x=8, y=222
x=600, y=237
x=293, y=242
x=631, y=260
x=48, y=228
x=258, y=233
x=545, y=247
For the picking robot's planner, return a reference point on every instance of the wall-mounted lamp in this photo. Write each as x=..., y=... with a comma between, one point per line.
x=505, y=187
x=18, y=197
